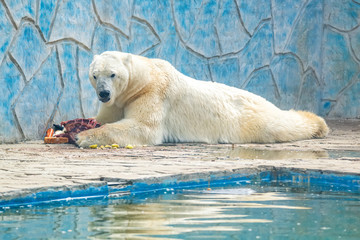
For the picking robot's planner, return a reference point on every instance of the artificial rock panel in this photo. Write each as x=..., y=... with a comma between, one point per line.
x=301, y=54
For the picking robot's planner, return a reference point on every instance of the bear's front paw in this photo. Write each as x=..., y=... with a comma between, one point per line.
x=83, y=139
x=90, y=137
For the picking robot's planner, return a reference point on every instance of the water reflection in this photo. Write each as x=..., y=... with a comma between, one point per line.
x=193, y=212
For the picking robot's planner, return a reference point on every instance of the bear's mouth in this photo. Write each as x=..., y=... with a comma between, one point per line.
x=104, y=100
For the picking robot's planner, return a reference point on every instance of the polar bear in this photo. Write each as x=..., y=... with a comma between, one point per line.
x=148, y=102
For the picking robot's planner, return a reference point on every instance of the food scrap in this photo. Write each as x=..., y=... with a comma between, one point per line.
x=114, y=146
x=129, y=146
x=50, y=132
x=56, y=140
x=67, y=131
x=50, y=139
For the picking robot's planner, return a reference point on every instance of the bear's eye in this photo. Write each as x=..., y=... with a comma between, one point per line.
x=94, y=77
x=112, y=75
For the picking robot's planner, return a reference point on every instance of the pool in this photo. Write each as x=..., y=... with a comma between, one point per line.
x=274, y=204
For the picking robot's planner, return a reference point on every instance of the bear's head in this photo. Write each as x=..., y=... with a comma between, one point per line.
x=109, y=74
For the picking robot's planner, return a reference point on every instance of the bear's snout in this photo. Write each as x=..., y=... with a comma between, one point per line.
x=104, y=95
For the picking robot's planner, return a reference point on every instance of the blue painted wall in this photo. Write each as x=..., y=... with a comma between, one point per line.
x=301, y=54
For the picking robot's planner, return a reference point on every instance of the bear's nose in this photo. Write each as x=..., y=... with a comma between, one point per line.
x=104, y=94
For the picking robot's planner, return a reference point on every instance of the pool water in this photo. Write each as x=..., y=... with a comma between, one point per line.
x=256, y=211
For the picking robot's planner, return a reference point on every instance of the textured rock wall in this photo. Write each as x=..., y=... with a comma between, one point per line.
x=301, y=54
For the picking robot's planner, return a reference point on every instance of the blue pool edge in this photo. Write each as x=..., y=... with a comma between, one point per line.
x=110, y=187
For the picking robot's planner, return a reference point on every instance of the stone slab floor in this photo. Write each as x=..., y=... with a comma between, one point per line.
x=35, y=166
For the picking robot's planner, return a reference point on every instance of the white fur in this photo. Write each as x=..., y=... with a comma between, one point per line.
x=151, y=103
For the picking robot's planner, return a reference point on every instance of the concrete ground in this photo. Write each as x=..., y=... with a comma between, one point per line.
x=35, y=166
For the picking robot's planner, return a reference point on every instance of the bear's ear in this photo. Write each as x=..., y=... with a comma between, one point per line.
x=95, y=57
